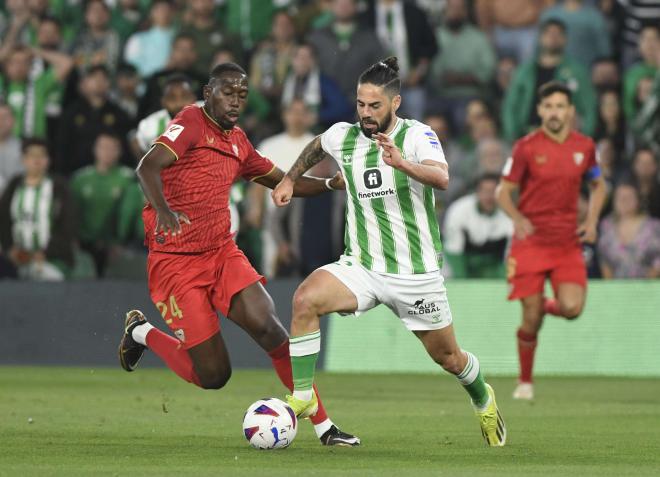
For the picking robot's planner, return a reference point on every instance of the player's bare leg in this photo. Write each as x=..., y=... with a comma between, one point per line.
x=532, y=311
x=321, y=293
x=568, y=303
x=442, y=347
x=253, y=310
x=211, y=362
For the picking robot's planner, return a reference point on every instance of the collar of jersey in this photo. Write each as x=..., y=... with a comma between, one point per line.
x=222, y=130
x=395, y=130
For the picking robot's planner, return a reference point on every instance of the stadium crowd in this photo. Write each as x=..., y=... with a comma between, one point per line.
x=78, y=76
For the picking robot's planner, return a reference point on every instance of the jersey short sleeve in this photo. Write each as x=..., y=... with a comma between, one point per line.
x=516, y=165
x=593, y=163
x=332, y=139
x=183, y=132
x=425, y=145
x=256, y=165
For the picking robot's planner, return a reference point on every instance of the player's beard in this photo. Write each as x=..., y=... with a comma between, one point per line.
x=555, y=125
x=380, y=127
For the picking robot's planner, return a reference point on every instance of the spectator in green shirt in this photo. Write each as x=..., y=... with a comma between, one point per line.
x=97, y=191
x=551, y=63
x=649, y=48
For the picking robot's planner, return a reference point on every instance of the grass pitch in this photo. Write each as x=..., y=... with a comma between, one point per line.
x=73, y=421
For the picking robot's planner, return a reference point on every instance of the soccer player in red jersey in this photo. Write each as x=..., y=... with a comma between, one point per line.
x=547, y=169
x=194, y=267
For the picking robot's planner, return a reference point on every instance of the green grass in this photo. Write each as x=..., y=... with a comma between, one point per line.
x=73, y=421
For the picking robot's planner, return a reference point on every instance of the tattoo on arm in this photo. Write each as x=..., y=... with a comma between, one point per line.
x=311, y=155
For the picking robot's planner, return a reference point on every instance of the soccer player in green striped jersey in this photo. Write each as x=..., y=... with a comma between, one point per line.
x=393, y=248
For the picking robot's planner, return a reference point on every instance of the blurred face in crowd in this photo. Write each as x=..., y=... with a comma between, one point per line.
x=49, y=36
x=18, y=65
x=484, y=128
x=96, y=85
x=486, y=195
x=552, y=40
x=375, y=108
x=184, y=53
x=475, y=110
x=15, y=7
x=36, y=160
x=176, y=96
x=439, y=125
x=127, y=84
x=649, y=44
x=38, y=7
x=609, y=106
x=644, y=89
x=344, y=10
x=161, y=15
x=626, y=201
x=491, y=156
x=645, y=166
x=107, y=150
x=6, y=121
x=225, y=98
x=504, y=72
x=303, y=61
x=607, y=156
x=202, y=8
x=556, y=113
x=97, y=15
x=297, y=118
x=605, y=74
x=222, y=56
x=455, y=14
x=283, y=29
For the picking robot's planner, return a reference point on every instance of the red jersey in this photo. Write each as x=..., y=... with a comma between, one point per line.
x=550, y=176
x=209, y=159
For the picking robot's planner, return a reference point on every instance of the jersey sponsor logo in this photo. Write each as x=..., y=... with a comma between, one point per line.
x=173, y=132
x=433, y=139
x=422, y=307
x=376, y=194
x=578, y=157
x=372, y=179
x=541, y=159
x=180, y=334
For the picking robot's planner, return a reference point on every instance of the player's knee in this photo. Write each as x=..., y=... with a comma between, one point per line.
x=571, y=311
x=303, y=303
x=215, y=379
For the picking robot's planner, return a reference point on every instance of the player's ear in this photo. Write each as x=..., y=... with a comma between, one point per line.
x=396, y=102
x=206, y=91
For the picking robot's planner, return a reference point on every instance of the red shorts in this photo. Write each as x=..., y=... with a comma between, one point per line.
x=528, y=265
x=188, y=289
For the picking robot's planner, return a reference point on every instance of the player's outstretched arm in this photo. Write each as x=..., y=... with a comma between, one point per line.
x=431, y=173
x=305, y=186
x=148, y=172
x=588, y=230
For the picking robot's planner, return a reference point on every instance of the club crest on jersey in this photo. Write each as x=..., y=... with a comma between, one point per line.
x=234, y=148
x=173, y=132
x=578, y=157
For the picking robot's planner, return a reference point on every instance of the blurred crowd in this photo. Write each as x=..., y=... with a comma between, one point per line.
x=85, y=86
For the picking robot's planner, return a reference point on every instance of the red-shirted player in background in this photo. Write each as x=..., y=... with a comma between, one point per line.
x=548, y=167
x=194, y=267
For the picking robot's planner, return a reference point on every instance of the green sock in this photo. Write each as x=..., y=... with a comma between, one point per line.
x=304, y=352
x=473, y=381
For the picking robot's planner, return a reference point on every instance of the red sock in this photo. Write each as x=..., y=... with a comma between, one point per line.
x=526, y=349
x=282, y=364
x=169, y=350
x=551, y=306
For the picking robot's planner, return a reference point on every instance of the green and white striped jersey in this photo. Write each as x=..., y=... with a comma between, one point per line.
x=391, y=224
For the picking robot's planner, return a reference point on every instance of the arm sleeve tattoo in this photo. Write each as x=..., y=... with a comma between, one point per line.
x=309, y=157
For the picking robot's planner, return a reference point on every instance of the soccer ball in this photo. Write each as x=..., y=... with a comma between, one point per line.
x=270, y=424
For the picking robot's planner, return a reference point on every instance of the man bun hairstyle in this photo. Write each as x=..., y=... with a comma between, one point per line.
x=222, y=68
x=552, y=87
x=385, y=73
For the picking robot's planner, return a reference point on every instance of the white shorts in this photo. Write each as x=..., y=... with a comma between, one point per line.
x=420, y=300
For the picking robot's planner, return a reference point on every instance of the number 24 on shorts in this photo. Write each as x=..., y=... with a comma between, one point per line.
x=174, y=310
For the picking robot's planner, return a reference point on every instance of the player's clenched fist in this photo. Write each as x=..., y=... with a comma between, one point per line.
x=522, y=228
x=170, y=221
x=283, y=192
